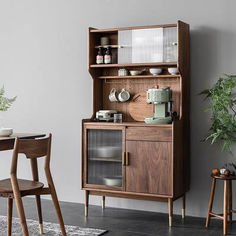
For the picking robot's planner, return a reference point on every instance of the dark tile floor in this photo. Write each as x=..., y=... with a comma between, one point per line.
x=121, y=222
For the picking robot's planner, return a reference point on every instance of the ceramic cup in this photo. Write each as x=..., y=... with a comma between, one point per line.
x=113, y=95
x=123, y=95
x=104, y=41
x=118, y=118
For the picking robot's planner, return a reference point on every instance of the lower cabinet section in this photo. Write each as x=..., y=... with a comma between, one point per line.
x=149, y=168
x=132, y=162
x=113, y=159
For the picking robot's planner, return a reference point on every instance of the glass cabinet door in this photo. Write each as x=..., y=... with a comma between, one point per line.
x=147, y=45
x=104, y=157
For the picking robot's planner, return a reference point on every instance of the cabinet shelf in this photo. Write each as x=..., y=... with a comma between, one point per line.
x=133, y=124
x=155, y=64
x=105, y=159
x=138, y=76
x=111, y=46
x=112, y=30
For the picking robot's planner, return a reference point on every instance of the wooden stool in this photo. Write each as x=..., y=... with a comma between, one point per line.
x=227, y=203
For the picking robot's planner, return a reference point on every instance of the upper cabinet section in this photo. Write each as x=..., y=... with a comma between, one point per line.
x=147, y=45
x=134, y=46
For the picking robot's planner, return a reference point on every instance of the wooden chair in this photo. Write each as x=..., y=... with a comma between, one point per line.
x=227, y=202
x=15, y=188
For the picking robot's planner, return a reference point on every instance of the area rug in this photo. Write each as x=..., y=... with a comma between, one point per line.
x=50, y=229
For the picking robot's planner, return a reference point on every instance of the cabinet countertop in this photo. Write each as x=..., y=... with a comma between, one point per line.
x=137, y=123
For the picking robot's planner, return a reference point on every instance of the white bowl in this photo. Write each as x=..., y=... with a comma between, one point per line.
x=5, y=132
x=108, y=152
x=155, y=71
x=113, y=181
x=173, y=70
x=136, y=72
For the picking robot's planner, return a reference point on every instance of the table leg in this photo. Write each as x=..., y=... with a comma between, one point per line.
x=225, y=207
x=211, y=198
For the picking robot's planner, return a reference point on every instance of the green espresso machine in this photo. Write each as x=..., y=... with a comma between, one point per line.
x=162, y=105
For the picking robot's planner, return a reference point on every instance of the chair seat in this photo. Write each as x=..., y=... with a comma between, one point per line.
x=24, y=185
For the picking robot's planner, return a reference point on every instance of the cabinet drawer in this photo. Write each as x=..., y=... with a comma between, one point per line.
x=149, y=133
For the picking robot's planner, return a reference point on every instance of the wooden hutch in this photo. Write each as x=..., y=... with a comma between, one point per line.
x=152, y=160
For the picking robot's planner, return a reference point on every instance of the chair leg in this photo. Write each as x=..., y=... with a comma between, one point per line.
x=230, y=201
x=58, y=210
x=39, y=209
x=21, y=214
x=225, y=206
x=170, y=206
x=55, y=200
x=9, y=216
x=211, y=198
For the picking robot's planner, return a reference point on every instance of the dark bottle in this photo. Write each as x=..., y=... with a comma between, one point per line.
x=108, y=56
x=99, y=57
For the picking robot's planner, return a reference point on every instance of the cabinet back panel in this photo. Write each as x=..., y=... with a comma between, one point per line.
x=135, y=86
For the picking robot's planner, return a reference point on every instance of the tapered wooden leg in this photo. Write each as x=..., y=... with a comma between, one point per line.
x=58, y=211
x=183, y=206
x=55, y=200
x=9, y=216
x=170, y=206
x=39, y=209
x=86, y=203
x=34, y=167
x=225, y=207
x=103, y=202
x=230, y=201
x=211, y=198
x=21, y=214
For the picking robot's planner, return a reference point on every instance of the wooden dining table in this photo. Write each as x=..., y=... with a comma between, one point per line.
x=7, y=143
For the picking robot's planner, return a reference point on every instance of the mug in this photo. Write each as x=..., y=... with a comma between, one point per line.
x=113, y=95
x=104, y=41
x=123, y=95
x=118, y=118
x=122, y=72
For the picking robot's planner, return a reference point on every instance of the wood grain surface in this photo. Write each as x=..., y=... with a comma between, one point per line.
x=150, y=167
x=138, y=108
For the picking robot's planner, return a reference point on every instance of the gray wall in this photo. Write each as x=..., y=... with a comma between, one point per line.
x=43, y=60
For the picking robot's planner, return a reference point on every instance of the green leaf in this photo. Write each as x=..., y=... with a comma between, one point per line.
x=222, y=106
x=5, y=103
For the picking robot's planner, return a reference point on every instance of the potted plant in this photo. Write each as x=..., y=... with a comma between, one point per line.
x=222, y=105
x=5, y=104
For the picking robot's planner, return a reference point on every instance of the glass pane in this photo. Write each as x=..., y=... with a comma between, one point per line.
x=170, y=44
x=104, y=155
x=125, y=51
x=147, y=45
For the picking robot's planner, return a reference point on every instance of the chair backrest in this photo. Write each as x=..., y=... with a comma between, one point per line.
x=33, y=149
